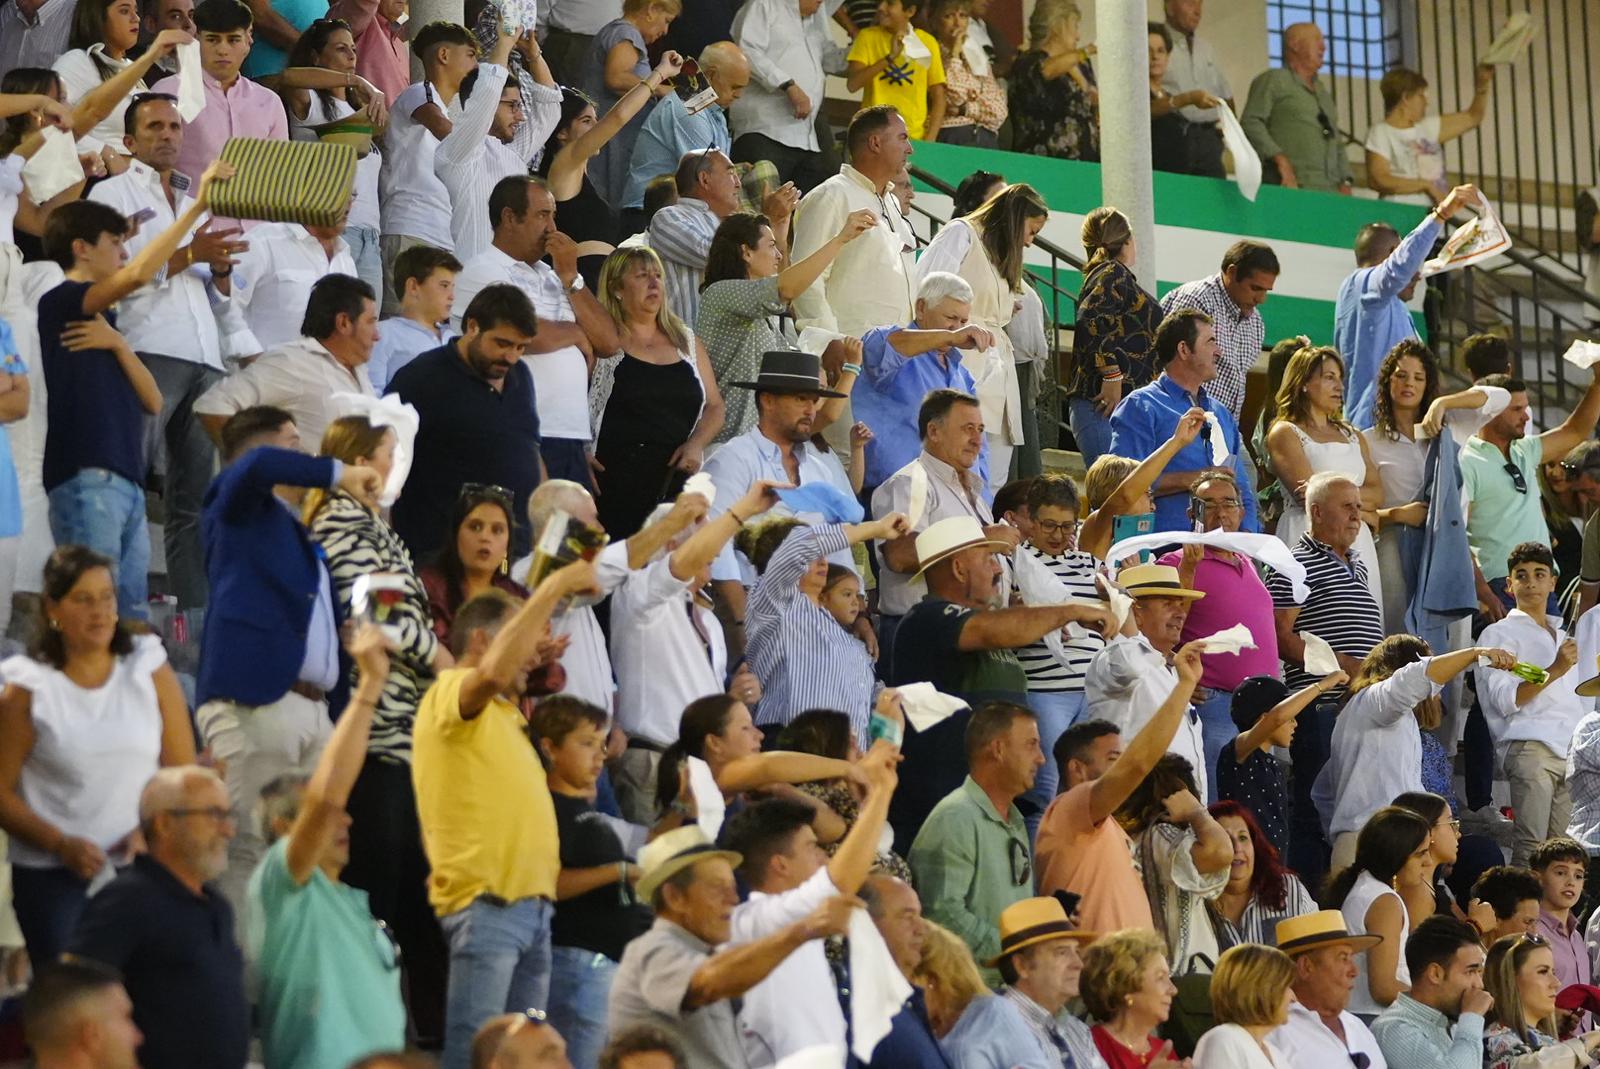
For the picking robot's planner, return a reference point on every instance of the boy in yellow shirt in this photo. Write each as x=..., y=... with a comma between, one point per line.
x=899, y=65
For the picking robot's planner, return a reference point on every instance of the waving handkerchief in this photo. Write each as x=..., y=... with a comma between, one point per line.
x=917, y=495
x=709, y=805
x=825, y=499
x=1234, y=639
x=399, y=417
x=1119, y=601
x=878, y=990
x=1219, y=442
x=1319, y=659
x=191, y=83
x=1584, y=354
x=702, y=484
x=54, y=167
x=926, y=707
x=1265, y=548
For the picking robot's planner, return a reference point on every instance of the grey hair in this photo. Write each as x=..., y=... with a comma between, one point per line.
x=940, y=285
x=553, y=494
x=1318, y=486
x=280, y=800
x=1046, y=13
x=168, y=789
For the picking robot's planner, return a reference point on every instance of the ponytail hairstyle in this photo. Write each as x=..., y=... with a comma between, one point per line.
x=1387, y=841
x=701, y=717
x=1105, y=233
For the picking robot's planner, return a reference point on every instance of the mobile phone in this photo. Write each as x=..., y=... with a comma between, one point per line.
x=881, y=727
x=142, y=216
x=373, y=599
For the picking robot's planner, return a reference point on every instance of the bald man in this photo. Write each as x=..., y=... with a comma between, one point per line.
x=519, y=1041
x=672, y=130
x=1289, y=118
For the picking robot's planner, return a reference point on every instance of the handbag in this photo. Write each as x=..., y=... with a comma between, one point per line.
x=286, y=181
x=1191, y=1015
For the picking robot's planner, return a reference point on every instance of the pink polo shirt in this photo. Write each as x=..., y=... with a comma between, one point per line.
x=382, y=55
x=1234, y=595
x=246, y=109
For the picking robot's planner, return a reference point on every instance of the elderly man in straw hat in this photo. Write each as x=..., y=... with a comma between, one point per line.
x=1132, y=675
x=1320, y=1030
x=1024, y=1025
x=956, y=639
x=673, y=978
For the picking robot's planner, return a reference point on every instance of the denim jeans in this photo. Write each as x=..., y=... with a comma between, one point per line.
x=363, y=242
x=102, y=510
x=499, y=963
x=1090, y=430
x=190, y=463
x=1216, y=731
x=580, y=986
x=48, y=903
x=1056, y=711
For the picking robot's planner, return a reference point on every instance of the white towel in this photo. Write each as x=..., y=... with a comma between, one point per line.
x=708, y=802
x=1246, y=164
x=1264, y=548
x=916, y=496
x=926, y=707
x=878, y=989
x=389, y=412
x=1219, y=441
x=191, y=84
x=1584, y=354
x=1319, y=659
x=1232, y=640
x=54, y=167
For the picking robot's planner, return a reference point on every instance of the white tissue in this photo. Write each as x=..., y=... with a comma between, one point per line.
x=54, y=167
x=815, y=339
x=915, y=49
x=926, y=707
x=702, y=484
x=1246, y=164
x=977, y=59
x=1232, y=640
x=1319, y=659
x=917, y=496
x=191, y=84
x=1267, y=549
x=395, y=414
x=1219, y=443
x=708, y=802
x=1582, y=353
x=878, y=989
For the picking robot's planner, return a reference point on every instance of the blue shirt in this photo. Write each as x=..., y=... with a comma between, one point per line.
x=266, y=58
x=11, y=363
x=1148, y=416
x=670, y=133
x=1370, y=318
x=889, y=392
x=94, y=419
x=400, y=341
x=993, y=1034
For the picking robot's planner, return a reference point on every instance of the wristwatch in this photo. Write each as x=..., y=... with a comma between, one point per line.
x=576, y=285
x=786, y=86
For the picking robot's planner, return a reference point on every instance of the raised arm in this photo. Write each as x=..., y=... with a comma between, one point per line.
x=1107, y=793
x=1454, y=125
x=731, y=973
x=696, y=554
x=567, y=167
x=144, y=267
x=1095, y=538
x=514, y=645
x=98, y=104
x=687, y=510
x=1577, y=427
x=1023, y=625
x=1259, y=737
x=858, y=851
x=798, y=277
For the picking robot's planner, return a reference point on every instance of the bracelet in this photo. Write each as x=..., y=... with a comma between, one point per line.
x=740, y=520
x=854, y=369
x=1111, y=378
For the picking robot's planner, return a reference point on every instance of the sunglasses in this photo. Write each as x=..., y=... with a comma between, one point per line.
x=1517, y=481
x=499, y=493
x=1021, y=864
x=1327, y=125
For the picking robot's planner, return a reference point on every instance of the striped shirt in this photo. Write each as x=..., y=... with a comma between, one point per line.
x=681, y=235
x=1239, y=336
x=1260, y=921
x=1076, y=571
x=798, y=651
x=1339, y=610
x=1063, y=1034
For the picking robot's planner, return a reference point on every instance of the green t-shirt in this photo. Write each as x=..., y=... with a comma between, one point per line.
x=327, y=972
x=1499, y=516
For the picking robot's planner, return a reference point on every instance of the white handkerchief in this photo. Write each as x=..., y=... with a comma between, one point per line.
x=708, y=802
x=1219, y=442
x=814, y=1058
x=389, y=412
x=917, y=497
x=1267, y=549
x=1038, y=586
x=815, y=339
x=54, y=167
x=1582, y=353
x=878, y=989
x=191, y=85
x=914, y=48
x=926, y=707
x=702, y=484
x=1319, y=659
x=1246, y=164
x=1232, y=640
x=977, y=59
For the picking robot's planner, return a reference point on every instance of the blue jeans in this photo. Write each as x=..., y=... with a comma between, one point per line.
x=48, y=903
x=499, y=963
x=1216, y=731
x=1090, y=430
x=102, y=510
x=363, y=242
x=580, y=986
x=1056, y=710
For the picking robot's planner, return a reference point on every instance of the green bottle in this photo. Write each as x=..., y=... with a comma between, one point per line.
x=1531, y=672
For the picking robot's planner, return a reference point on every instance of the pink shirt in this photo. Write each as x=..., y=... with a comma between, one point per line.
x=245, y=110
x=1566, y=944
x=1091, y=860
x=1234, y=595
x=382, y=56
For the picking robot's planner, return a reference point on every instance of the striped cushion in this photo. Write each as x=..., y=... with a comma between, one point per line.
x=286, y=181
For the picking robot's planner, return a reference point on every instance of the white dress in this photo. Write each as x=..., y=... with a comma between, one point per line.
x=1229, y=1046
x=1366, y=891
x=1344, y=457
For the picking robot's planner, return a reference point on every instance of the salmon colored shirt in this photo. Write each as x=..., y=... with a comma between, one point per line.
x=1093, y=861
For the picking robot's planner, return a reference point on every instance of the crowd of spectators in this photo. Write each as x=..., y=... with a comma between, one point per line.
x=611, y=611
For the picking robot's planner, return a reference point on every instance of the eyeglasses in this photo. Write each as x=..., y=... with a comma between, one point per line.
x=1050, y=527
x=215, y=812
x=1021, y=864
x=1225, y=504
x=1520, y=483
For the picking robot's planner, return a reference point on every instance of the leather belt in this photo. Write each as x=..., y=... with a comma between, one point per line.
x=309, y=691
x=642, y=743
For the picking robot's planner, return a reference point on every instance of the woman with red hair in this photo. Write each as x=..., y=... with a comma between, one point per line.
x=1261, y=891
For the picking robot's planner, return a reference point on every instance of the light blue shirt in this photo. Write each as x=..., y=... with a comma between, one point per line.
x=1147, y=417
x=320, y=667
x=670, y=133
x=1370, y=318
x=1420, y=1037
x=994, y=1034
x=888, y=394
x=11, y=363
x=400, y=341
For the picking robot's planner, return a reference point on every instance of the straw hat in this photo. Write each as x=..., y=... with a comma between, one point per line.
x=950, y=536
x=1313, y=931
x=673, y=851
x=1155, y=581
x=1035, y=920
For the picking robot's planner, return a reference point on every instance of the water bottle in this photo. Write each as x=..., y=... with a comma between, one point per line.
x=1530, y=672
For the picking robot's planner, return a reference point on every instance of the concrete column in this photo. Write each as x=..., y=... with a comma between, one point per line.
x=423, y=12
x=1123, y=70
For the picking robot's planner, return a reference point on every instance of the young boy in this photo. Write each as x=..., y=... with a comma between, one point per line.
x=425, y=283
x=98, y=391
x=1504, y=901
x=1560, y=864
x=1533, y=723
x=898, y=64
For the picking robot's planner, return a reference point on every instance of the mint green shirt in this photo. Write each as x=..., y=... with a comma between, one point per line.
x=328, y=974
x=1499, y=517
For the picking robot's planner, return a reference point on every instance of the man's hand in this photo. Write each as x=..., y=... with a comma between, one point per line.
x=830, y=918
x=779, y=204
x=362, y=483
x=1477, y=1001
x=745, y=686
x=1095, y=617
x=762, y=495
x=217, y=246
x=1181, y=806
x=971, y=337
x=879, y=766
x=1188, y=664
x=370, y=650
x=1458, y=198
x=839, y=352
x=1566, y=657
x=1189, y=426
x=563, y=252
x=94, y=333
x=799, y=103
x=690, y=508
x=1286, y=175
x=890, y=705
x=83, y=857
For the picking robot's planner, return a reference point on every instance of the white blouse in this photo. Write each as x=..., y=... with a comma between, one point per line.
x=80, y=75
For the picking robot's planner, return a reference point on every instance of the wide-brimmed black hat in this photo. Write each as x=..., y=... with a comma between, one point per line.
x=789, y=371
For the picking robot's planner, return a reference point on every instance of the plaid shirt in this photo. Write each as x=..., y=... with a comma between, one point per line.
x=1239, y=337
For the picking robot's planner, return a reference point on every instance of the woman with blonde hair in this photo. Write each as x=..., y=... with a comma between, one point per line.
x=986, y=249
x=1249, y=997
x=655, y=406
x=1309, y=434
x=1521, y=1030
x=1113, y=343
x=1054, y=103
x=948, y=976
x=1127, y=986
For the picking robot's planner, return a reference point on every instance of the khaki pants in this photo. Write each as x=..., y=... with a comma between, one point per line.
x=1539, y=797
x=633, y=778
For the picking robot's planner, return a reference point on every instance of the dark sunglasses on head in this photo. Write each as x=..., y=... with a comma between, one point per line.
x=486, y=490
x=1517, y=480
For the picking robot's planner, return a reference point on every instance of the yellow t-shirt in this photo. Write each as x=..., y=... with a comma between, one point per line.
x=487, y=820
x=905, y=82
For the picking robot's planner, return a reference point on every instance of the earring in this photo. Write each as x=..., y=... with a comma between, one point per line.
x=505, y=565
x=55, y=625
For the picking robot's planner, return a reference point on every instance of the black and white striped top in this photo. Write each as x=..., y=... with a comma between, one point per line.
x=1076, y=571
x=1340, y=609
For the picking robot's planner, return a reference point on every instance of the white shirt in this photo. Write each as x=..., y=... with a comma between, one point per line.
x=1415, y=152
x=782, y=47
x=1306, y=1042
x=947, y=496
x=415, y=203
x=871, y=282
x=1229, y=1046
x=34, y=42
x=79, y=75
x=93, y=748
x=1377, y=748
x=580, y=16
x=561, y=376
x=663, y=663
x=400, y=341
x=272, y=282
x=737, y=463
x=170, y=315
x=587, y=663
x=10, y=190
x=365, y=200
x=793, y=1008
x=1194, y=66
x=1126, y=683
x=1553, y=715
x=300, y=377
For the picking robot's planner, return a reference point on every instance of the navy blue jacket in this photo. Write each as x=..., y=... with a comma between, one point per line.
x=264, y=575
